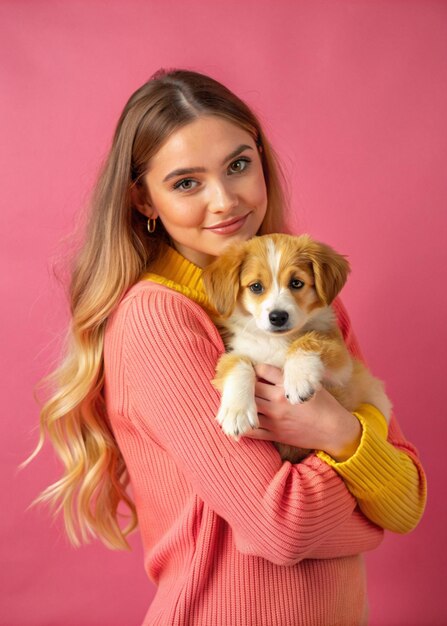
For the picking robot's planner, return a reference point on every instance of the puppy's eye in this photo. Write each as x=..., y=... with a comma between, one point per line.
x=256, y=287
x=296, y=283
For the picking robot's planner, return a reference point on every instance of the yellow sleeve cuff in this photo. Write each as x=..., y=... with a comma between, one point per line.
x=384, y=479
x=362, y=471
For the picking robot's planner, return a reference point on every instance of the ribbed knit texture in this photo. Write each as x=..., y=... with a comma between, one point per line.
x=232, y=536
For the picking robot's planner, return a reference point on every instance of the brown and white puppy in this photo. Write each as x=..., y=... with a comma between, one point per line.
x=273, y=295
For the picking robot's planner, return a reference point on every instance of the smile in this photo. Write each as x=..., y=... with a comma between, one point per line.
x=229, y=226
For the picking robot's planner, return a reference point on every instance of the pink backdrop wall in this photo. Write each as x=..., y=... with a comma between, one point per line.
x=354, y=97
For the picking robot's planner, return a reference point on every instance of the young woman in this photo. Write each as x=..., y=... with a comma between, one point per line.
x=232, y=535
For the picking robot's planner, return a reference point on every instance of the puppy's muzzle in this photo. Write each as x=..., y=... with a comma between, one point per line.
x=278, y=318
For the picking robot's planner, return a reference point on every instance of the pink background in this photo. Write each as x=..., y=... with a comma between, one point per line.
x=354, y=97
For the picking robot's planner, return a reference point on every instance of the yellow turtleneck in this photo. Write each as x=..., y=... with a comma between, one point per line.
x=174, y=271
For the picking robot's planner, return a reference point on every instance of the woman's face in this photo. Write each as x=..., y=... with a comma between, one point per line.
x=207, y=186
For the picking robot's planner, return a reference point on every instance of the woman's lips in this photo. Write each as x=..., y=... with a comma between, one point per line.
x=230, y=226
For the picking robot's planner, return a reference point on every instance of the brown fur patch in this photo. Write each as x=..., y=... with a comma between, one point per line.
x=329, y=346
x=221, y=279
x=225, y=366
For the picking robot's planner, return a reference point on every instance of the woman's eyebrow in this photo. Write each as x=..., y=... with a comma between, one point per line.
x=184, y=171
x=238, y=150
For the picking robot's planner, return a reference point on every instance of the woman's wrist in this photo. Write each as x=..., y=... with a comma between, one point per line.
x=346, y=437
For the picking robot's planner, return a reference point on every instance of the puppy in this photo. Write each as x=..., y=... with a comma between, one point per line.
x=273, y=295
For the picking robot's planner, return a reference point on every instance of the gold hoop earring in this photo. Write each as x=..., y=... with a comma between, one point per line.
x=151, y=224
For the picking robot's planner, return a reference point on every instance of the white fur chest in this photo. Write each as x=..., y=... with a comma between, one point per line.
x=261, y=349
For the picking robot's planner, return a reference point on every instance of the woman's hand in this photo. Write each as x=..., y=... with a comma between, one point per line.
x=321, y=423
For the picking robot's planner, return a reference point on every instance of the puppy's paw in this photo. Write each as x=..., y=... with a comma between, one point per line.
x=237, y=420
x=303, y=373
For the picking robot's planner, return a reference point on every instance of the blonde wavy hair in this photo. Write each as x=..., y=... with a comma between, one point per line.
x=117, y=249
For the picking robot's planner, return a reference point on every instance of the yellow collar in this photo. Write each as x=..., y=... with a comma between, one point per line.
x=174, y=271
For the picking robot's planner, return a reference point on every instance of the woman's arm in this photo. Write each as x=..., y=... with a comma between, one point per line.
x=385, y=474
x=278, y=511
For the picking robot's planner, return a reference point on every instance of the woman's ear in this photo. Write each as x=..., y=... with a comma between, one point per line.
x=140, y=201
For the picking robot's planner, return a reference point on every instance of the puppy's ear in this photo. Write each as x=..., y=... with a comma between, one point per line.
x=330, y=270
x=221, y=279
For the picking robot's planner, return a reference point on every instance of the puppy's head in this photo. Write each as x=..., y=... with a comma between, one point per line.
x=278, y=281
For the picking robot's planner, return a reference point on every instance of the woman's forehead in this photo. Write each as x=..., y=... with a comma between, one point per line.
x=206, y=141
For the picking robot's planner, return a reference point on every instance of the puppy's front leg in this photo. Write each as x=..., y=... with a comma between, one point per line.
x=312, y=358
x=235, y=378
x=303, y=373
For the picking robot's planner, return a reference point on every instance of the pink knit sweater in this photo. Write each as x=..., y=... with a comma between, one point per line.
x=232, y=536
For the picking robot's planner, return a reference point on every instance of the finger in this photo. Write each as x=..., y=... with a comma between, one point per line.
x=259, y=433
x=266, y=391
x=270, y=393
x=269, y=373
x=265, y=422
x=264, y=406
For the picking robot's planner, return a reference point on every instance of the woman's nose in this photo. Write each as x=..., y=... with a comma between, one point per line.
x=222, y=198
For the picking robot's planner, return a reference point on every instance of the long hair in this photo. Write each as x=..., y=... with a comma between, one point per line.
x=117, y=249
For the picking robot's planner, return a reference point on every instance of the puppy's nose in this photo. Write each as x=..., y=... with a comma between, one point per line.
x=278, y=318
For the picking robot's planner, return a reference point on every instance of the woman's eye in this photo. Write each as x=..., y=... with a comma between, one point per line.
x=256, y=287
x=239, y=166
x=296, y=283
x=186, y=184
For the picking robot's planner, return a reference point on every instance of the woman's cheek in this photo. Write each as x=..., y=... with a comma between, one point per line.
x=186, y=214
x=258, y=194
